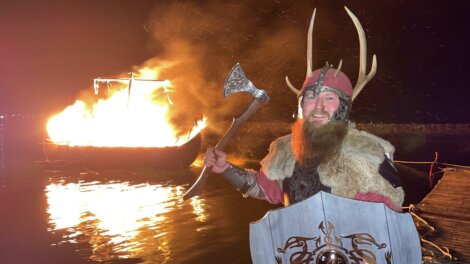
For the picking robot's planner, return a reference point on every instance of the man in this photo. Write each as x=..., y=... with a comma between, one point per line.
x=324, y=152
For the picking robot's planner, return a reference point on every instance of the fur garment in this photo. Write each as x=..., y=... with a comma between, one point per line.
x=353, y=170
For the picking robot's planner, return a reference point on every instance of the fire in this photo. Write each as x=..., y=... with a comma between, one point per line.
x=134, y=116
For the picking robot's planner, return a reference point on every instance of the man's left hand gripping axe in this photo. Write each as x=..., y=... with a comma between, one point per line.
x=235, y=82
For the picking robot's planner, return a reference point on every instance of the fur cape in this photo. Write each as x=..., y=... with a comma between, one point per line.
x=354, y=170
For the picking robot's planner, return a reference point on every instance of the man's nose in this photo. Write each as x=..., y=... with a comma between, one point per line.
x=319, y=105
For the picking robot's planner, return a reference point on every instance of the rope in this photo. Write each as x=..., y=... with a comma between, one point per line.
x=413, y=162
x=431, y=175
x=431, y=162
x=444, y=251
x=413, y=210
x=455, y=165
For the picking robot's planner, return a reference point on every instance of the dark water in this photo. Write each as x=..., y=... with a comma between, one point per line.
x=135, y=216
x=77, y=215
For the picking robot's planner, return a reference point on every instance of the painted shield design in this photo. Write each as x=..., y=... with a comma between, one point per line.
x=330, y=229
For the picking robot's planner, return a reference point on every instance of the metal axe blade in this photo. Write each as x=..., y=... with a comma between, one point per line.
x=236, y=81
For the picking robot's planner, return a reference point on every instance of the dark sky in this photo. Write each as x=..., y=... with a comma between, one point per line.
x=50, y=51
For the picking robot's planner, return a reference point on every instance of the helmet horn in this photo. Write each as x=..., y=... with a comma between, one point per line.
x=363, y=79
x=309, y=54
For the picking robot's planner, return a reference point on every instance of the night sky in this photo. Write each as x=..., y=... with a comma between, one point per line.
x=50, y=51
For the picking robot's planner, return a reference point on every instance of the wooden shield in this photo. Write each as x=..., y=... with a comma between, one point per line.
x=330, y=229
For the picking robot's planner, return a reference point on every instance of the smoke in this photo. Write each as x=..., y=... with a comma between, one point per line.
x=194, y=45
x=203, y=41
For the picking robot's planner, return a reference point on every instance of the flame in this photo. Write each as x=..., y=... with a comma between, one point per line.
x=136, y=117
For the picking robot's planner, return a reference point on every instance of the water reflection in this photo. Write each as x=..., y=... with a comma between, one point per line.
x=119, y=220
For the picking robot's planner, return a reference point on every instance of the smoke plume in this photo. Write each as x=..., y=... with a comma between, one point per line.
x=203, y=42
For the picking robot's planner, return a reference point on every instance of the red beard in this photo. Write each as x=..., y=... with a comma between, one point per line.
x=314, y=143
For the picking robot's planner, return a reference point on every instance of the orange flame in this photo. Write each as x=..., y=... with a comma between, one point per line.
x=135, y=118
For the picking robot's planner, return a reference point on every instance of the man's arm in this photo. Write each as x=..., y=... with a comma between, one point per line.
x=248, y=182
x=388, y=171
x=244, y=181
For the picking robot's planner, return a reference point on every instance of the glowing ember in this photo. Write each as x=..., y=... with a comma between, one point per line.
x=134, y=117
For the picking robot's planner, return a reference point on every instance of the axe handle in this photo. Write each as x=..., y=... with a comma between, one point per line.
x=198, y=186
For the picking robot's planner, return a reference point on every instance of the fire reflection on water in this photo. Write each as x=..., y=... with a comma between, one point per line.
x=117, y=219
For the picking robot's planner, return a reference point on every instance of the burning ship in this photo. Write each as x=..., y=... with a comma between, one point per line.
x=129, y=128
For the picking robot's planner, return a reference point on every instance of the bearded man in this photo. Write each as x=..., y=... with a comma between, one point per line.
x=324, y=152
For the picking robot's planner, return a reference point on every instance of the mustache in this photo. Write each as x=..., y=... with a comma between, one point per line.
x=319, y=112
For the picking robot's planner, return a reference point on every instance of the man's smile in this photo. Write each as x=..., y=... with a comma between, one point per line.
x=319, y=117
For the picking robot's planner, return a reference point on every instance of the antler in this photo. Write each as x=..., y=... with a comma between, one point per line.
x=363, y=79
x=310, y=45
x=309, y=54
x=292, y=88
x=339, y=68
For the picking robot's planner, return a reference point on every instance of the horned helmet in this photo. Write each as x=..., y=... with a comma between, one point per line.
x=331, y=79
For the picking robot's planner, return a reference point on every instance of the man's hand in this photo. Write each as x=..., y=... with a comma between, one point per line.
x=216, y=159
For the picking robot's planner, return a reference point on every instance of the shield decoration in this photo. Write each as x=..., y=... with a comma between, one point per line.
x=326, y=228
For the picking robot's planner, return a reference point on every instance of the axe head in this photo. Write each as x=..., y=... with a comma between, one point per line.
x=236, y=81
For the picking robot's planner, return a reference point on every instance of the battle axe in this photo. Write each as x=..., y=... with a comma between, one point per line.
x=235, y=82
